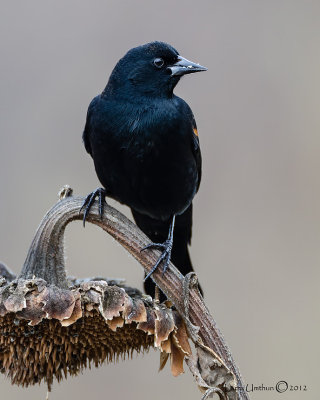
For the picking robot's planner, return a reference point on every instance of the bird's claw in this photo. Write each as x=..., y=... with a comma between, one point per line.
x=89, y=201
x=165, y=256
x=157, y=246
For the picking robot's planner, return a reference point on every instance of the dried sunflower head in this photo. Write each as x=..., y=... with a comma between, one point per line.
x=47, y=332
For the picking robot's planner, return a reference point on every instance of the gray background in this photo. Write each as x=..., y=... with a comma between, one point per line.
x=256, y=218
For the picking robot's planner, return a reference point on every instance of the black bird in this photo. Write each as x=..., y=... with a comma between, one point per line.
x=144, y=143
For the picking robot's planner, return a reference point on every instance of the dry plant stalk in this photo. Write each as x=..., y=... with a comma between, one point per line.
x=52, y=326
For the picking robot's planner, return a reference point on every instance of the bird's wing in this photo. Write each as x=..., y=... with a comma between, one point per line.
x=196, y=147
x=88, y=126
x=194, y=137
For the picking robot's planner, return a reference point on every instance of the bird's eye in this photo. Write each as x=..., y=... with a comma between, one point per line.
x=158, y=62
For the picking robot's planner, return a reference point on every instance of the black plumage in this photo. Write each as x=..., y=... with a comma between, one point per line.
x=144, y=143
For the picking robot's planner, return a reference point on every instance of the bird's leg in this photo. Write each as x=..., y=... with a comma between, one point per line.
x=90, y=199
x=166, y=248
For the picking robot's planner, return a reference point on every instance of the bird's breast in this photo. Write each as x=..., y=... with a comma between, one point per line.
x=149, y=152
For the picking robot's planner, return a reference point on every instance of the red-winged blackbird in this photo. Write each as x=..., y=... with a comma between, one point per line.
x=144, y=143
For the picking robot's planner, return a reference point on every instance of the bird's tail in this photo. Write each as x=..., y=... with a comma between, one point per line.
x=158, y=230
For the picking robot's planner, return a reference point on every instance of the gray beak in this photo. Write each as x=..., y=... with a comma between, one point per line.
x=184, y=66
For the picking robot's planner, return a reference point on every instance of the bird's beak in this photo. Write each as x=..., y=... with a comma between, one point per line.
x=184, y=66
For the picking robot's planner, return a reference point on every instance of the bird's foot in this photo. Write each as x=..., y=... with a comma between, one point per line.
x=165, y=257
x=90, y=199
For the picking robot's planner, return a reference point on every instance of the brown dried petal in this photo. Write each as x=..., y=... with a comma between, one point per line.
x=13, y=296
x=59, y=303
x=177, y=345
x=163, y=360
x=166, y=346
x=180, y=335
x=91, y=292
x=116, y=322
x=136, y=311
x=177, y=357
x=98, y=286
x=92, y=297
x=112, y=301
x=34, y=307
x=164, y=325
x=149, y=325
x=76, y=313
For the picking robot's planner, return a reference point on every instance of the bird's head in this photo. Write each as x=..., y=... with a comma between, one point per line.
x=152, y=69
